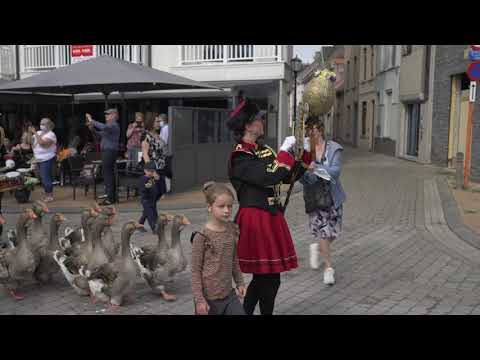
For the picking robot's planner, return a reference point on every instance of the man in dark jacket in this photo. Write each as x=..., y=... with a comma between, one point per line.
x=110, y=134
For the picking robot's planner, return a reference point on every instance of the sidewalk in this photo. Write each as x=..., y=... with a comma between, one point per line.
x=64, y=202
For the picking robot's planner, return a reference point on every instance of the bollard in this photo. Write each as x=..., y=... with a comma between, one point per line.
x=459, y=170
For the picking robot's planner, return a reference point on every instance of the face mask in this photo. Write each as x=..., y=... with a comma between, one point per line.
x=43, y=127
x=162, y=124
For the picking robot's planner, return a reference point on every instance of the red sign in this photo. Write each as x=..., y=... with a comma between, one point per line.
x=475, y=47
x=82, y=50
x=473, y=71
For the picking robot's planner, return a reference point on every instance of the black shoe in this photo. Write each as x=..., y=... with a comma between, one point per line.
x=106, y=202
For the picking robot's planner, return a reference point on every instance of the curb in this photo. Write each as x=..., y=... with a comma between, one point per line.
x=453, y=216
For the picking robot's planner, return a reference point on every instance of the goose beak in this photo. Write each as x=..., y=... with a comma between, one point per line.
x=62, y=217
x=32, y=215
x=2, y=220
x=43, y=205
x=96, y=207
x=185, y=221
x=170, y=217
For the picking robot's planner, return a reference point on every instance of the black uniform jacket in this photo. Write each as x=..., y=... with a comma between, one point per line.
x=257, y=174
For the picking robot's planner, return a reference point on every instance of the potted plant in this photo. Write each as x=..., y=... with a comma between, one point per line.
x=23, y=195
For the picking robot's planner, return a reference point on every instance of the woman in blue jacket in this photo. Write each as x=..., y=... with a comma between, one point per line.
x=325, y=221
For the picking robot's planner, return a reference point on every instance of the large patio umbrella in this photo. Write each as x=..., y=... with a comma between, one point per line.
x=103, y=74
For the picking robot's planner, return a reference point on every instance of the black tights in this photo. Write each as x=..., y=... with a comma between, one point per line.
x=262, y=289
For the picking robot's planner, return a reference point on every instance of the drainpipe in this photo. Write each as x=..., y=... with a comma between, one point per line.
x=149, y=56
x=17, y=62
x=426, y=85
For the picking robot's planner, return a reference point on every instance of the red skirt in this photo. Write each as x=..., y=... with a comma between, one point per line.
x=265, y=245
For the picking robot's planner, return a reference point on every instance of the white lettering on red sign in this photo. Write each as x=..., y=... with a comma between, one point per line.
x=82, y=50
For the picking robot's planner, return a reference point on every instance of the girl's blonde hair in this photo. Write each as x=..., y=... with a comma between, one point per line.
x=213, y=190
x=140, y=115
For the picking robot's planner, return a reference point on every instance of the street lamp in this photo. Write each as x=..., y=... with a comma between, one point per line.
x=296, y=65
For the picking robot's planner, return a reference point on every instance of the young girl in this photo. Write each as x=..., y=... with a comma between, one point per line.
x=214, y=257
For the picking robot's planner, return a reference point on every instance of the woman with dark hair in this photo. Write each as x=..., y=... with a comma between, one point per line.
x=265, y=246
x=323, y=198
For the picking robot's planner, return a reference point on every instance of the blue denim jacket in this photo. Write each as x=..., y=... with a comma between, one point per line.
x=334, y=168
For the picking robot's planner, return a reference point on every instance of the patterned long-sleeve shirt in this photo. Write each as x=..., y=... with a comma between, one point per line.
x=215, y=263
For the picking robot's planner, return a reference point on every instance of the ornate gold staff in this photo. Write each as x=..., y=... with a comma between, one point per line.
x=299, y=133
x=318, y=99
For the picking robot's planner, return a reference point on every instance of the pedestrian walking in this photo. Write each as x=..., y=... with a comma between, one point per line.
x=164, y=133
x=214, y=257
x=134, y=143
x=155, y=149
x=148, y=195
x=45, y=152
x=323, y=199
x=265, y=247
x=110, y=134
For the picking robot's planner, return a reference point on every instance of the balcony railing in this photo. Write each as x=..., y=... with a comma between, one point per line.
x=227, y=54
x=7, y=62
x=47, y=57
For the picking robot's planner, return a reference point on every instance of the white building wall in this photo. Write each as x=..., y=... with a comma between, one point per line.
x=165, y=56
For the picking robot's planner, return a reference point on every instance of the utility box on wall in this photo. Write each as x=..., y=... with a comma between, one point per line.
x=412, y=75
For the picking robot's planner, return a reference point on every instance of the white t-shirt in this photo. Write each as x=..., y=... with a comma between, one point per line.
x=42, y=153
x=164, y=133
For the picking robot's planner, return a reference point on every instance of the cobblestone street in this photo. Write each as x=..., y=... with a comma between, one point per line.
x=397, y=254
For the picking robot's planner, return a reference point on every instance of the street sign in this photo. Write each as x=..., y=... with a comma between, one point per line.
x=81, y=52
x=475, y=47
x=473, y=91
x=474, y=55
x=473, y=71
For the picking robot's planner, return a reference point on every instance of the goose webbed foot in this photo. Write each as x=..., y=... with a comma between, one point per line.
x=113, y=307
x=15, y=295
x=167, y=297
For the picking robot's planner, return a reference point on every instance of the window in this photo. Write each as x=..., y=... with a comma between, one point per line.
x=364, y=119
x=364, y=63
x=349, y=114
x=373, y=114
x=394, y=55
x=406, y=50
x=207, y=126
x=372, y=61
x=348, y=74
x=355, y=71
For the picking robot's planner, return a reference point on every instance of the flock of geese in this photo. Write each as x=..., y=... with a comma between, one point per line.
x=93, y=261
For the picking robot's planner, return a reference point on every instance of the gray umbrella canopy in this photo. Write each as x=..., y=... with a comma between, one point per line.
x=103, y=74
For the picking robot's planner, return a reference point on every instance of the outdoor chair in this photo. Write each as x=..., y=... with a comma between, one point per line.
x=129, y=179
x=82, y=174
x=93, y=156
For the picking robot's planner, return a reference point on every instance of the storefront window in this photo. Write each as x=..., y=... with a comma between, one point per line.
x=207, y=125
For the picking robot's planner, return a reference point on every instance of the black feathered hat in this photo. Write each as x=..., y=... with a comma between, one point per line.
x=246, y=112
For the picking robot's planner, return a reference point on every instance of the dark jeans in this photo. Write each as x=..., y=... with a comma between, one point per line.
x=45, y=169
x=262, y=289
x=231, y=305
x=149, y=213
x=109, y=157
x=150, y=205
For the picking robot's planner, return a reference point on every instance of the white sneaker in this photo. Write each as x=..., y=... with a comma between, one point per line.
x=328, y=278
x=314, y=256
